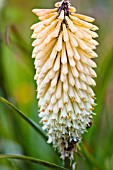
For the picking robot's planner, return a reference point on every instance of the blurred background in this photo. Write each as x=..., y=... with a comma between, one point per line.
x=18, y=86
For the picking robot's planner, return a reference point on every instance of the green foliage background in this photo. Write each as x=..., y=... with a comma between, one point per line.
x=17, y=85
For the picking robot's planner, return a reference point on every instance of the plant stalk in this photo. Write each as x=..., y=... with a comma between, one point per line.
x=67, y=163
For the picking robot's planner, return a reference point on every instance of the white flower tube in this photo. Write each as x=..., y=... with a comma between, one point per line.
x=63, y=52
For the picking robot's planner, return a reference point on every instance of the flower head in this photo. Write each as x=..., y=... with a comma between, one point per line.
x=63, y=52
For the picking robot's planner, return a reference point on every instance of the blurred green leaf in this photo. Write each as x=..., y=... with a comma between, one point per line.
x=19, y=46
x=33, y=160
x=90, y=158
x=104, y=73
x=23, y=116
x=24, y=46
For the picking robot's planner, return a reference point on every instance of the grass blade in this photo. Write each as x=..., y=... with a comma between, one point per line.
x=23, y=116
x=33, y=160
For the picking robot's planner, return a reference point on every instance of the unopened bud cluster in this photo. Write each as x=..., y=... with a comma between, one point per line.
x=63, y=52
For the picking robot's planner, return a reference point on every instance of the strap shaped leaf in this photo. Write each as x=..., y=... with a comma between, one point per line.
x=22, y=115
x=33, y=160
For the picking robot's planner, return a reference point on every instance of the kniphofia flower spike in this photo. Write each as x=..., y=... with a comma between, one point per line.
x=63, y=52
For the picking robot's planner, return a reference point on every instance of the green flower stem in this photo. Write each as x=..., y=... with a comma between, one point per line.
x=67, y=163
